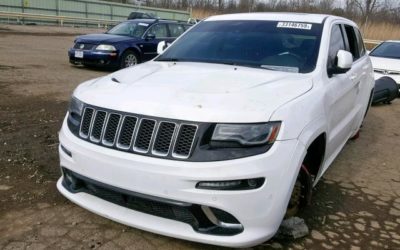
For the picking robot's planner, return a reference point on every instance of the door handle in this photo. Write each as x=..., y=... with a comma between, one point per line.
x=357, y=86
x=353, y=77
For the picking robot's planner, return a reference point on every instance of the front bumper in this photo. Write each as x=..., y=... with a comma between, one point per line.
x=94, y=58
x=259, y=211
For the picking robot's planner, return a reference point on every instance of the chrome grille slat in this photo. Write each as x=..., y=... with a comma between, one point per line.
x=117, y=130
x=111, y=129
x=387, y=72
x=86, y=122
x=164, y=138
x=184, y=141
x=127, y=132
x=98, y=124
x=144, y=135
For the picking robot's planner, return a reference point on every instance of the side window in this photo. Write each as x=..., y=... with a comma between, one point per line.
x=336, y=43
x=353, y=43
x=159, y=30
x=361, y=46
x=175, y=30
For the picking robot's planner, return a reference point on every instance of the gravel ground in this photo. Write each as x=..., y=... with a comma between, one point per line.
x=355, y=206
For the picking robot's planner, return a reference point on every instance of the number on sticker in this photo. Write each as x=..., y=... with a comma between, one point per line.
x=292, y=25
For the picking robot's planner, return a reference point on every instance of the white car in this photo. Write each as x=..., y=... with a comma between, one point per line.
x=386, y=60
x=224, y=133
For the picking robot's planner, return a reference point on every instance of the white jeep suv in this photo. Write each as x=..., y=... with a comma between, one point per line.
x=224, y=133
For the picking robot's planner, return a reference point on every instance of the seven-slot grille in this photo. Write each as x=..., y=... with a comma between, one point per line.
x=141, y=135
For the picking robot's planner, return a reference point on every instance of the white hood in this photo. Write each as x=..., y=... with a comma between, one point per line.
x=385, y=63
x=390, y=65
x=195, y=91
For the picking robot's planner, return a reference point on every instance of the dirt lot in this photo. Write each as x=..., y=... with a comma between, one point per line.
x=355, y=206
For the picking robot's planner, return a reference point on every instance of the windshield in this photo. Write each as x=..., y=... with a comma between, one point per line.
x=133, y=29
x=387, y=49
x=283, y=46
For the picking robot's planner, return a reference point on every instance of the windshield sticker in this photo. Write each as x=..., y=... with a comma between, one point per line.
x=292, y=25
x=143, y=24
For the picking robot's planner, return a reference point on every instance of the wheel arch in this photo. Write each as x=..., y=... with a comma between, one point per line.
x=315, y=155
x=135, y=49
x=311, y=167
x=314, y=137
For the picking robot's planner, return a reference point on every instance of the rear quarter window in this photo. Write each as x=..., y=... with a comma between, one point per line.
x=352, y=41
x=175, y=29
x=360, y=41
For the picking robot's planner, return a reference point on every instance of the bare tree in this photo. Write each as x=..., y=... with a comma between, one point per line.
x=326, y=6
x=367, y=8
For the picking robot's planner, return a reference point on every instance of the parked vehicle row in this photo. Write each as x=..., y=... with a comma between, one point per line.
x=224, y=133
x=386, y=60
x=127, y=44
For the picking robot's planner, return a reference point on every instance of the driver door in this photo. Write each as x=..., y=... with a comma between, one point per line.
x=340, y=98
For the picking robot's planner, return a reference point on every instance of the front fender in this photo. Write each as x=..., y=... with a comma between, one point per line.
x=133, y=47
x=312, y=130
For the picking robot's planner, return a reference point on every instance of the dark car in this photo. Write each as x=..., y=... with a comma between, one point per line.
x=141, y=15
x=128, y=43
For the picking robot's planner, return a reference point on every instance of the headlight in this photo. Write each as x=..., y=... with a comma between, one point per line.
x=247, y=134
x=75, y=107
x=75, y=111
x=106, y=47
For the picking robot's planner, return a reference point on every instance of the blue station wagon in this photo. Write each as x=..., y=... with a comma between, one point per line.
x=128, y=43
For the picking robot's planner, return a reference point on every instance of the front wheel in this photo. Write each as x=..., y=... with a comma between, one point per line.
x=128, y=59
x=301, y=194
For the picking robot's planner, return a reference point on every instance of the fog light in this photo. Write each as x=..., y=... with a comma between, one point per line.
x=72, y=183
x=68, y=178
x=245, y=184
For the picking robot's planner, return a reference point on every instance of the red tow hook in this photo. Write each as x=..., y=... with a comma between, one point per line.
x=307, y=182
x=356, y=136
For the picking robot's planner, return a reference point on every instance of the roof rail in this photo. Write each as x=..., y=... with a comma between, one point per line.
x=174, y=20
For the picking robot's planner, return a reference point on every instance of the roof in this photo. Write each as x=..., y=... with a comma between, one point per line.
x=392, y=41
x=149, y=20
x=272, y=16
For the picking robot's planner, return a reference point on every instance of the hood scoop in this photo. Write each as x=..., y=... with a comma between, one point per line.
x=115, y=80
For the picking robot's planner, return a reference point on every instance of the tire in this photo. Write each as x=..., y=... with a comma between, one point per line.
x=301, y=193
x=129, y=58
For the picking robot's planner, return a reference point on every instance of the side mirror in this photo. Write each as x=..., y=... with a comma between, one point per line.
x=161, y=47
x=150, y=36
x=343, y=64
x=108, y=28
x=344, y=60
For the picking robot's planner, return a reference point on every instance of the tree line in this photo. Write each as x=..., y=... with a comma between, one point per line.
x=363, y=11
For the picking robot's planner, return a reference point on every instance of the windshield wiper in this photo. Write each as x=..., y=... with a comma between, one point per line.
x=268, y=67
x=280, y=68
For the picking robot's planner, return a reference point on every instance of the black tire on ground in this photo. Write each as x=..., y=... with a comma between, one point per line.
x=129, y=58
x=301, y=194
x=386, y=90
